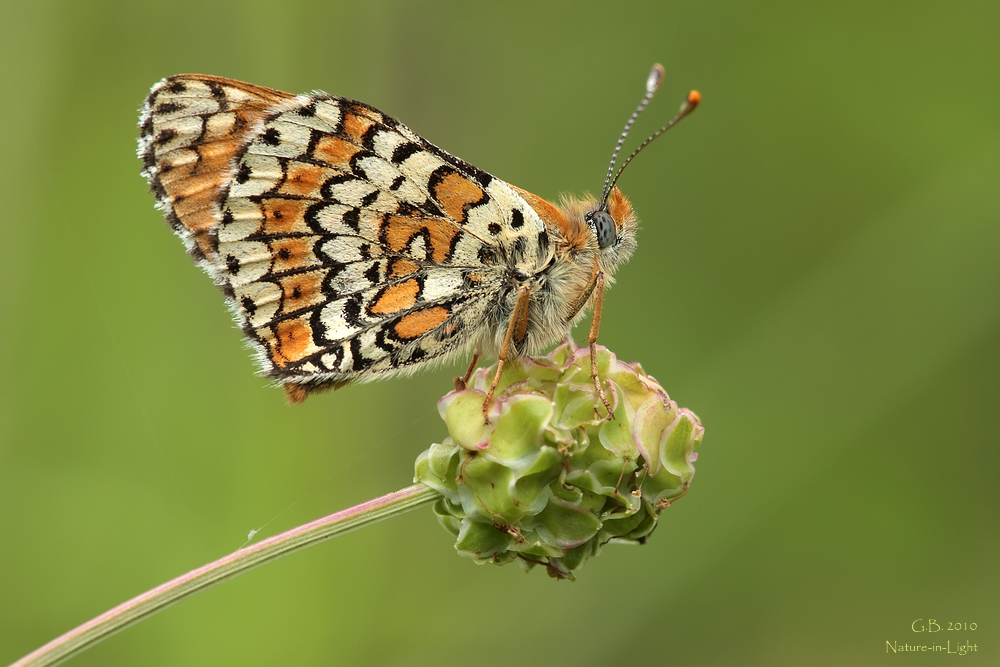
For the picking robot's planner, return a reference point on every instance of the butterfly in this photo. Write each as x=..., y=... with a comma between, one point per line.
x=351, y=249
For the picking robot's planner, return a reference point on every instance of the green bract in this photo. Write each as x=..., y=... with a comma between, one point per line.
x=549, y=480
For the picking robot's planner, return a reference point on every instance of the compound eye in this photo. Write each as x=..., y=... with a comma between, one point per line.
x=604, y=228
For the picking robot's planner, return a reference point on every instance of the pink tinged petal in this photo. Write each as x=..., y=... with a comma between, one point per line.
x=463, y=414
x=678, y=443
x=651, y=420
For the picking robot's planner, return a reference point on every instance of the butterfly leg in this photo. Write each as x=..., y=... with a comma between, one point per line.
x=596, y=288
x=516, y=330
x=462, y=382
x=595, y=324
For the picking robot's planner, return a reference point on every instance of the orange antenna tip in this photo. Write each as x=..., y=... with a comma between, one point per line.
x=689, y=104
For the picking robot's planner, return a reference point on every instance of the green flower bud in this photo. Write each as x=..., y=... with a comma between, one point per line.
x=549, y=480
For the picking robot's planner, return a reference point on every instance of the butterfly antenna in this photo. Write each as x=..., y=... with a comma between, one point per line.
x=652, y=83
x=690, y=104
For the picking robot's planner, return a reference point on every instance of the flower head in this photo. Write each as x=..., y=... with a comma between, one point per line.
x=549, y=481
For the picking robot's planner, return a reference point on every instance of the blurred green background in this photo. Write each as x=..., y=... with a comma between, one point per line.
x=818, y=277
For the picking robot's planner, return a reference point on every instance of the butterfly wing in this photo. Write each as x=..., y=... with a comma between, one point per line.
x=351, y=248
x=190, y=129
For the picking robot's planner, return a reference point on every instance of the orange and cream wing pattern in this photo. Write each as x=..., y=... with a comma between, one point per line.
x=190, y=129
x=349, y=247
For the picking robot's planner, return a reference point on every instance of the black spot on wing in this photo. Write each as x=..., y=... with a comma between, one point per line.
x=404, y=151
x=249, y=307
x=168, y=107
x=220, y=95
x=271, y=136
x=163, y=136
x=516, y=219
x=243, y=174
x=373, y=274
x=352, y=310
x=352, y=218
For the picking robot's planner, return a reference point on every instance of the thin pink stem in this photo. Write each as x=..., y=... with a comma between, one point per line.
x=236, y=563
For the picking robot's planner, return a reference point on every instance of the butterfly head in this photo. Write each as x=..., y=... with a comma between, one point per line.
x=613, y=225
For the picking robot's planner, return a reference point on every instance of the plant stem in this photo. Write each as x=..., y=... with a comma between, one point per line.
x=236, y=563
